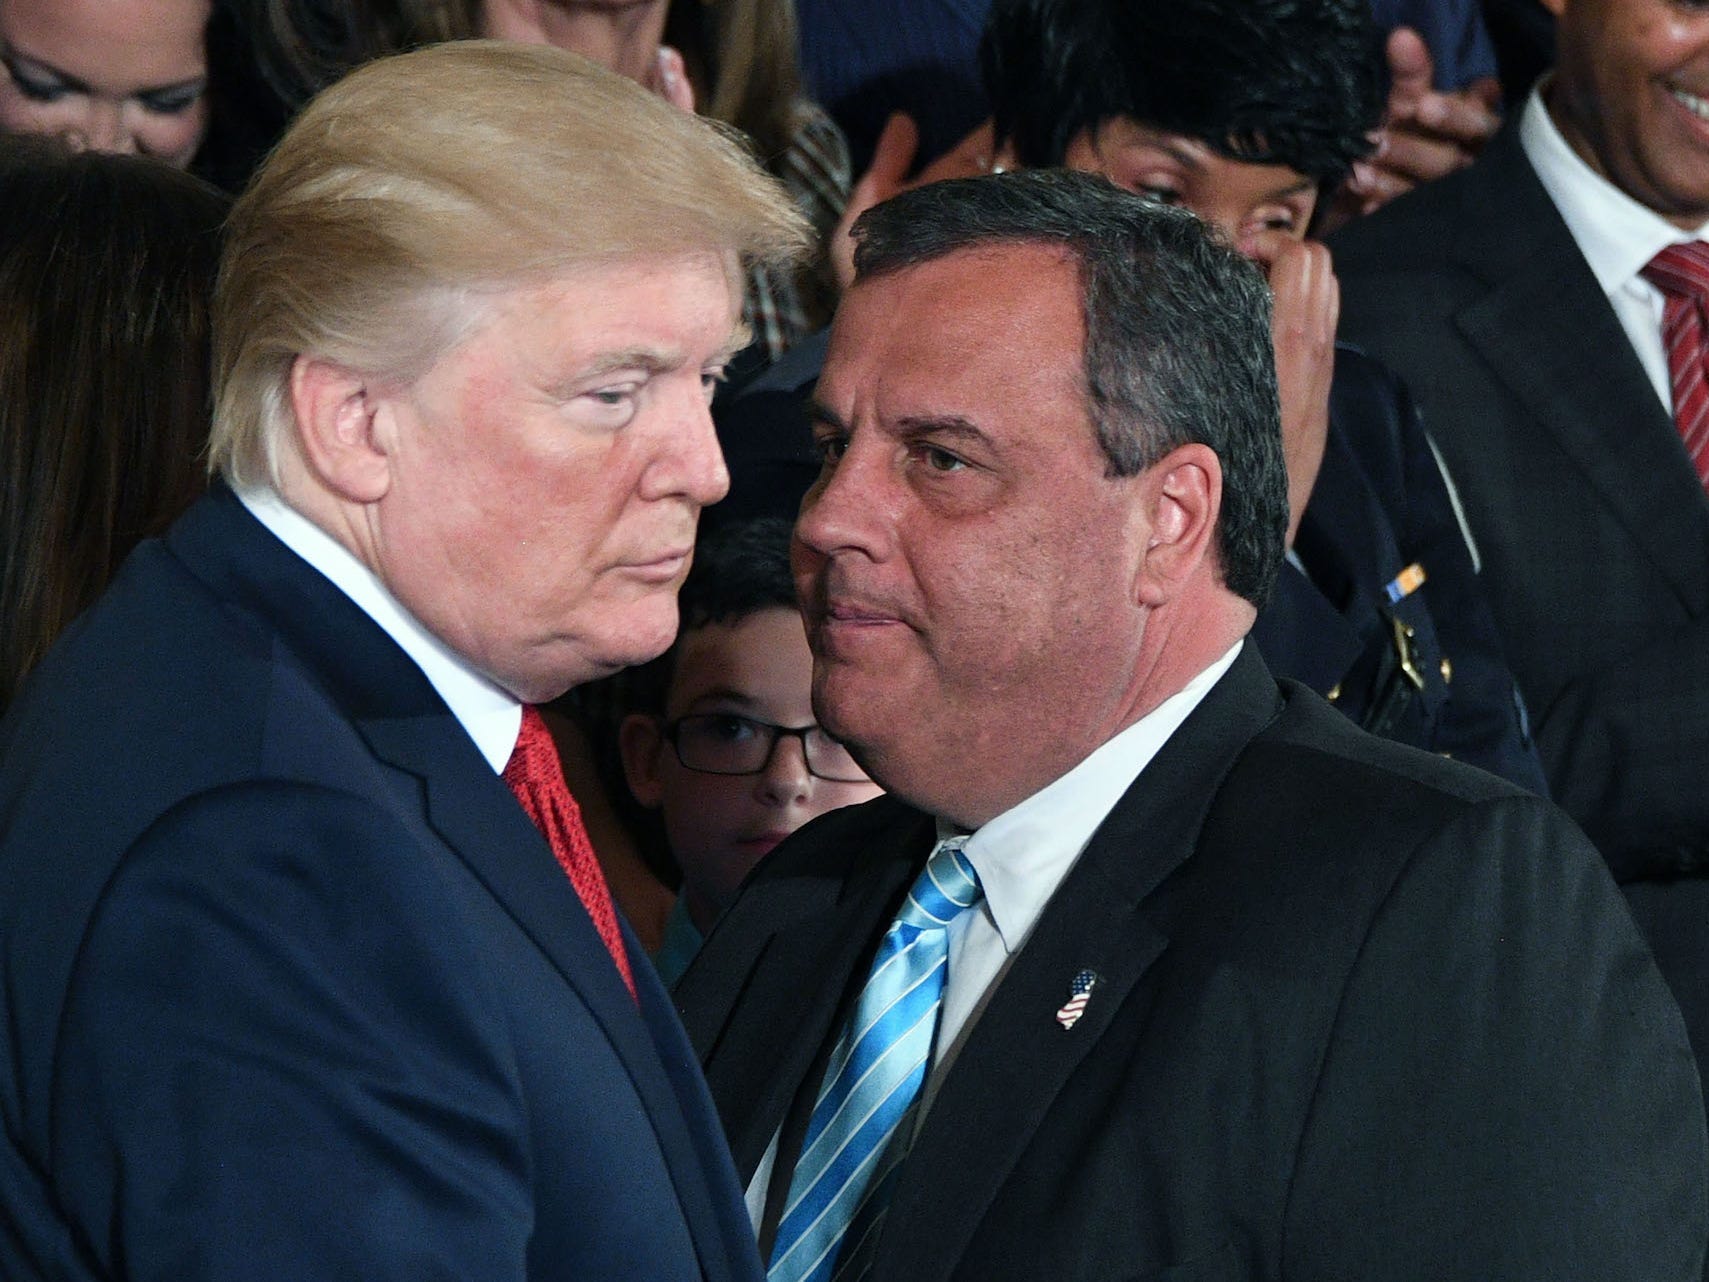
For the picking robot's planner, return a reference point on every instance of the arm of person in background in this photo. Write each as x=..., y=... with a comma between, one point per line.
x=892, y=158
x=1305, y=305
x=1483, y=721
x=1626, y=755
x=1426, y=133
x=669, y=79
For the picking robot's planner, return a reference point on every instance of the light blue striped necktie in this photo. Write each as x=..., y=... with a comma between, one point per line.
x=863, y=1120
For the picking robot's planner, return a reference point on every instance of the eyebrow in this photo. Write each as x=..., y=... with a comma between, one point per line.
x=1196, y=162
x=910, y=427
x=913, y=427
x=1294, y=189
x=720, y=694
x=819, y=412
x=655, y=360
x=22, y=64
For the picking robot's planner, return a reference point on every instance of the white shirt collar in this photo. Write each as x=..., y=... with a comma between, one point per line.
x=490, y=715
x=1616, y=234
x=1023, y=854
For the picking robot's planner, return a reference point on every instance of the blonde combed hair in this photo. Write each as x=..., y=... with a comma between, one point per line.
x=421, y=180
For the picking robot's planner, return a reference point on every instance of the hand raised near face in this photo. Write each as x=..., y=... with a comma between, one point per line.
x=668, y=78
x=887, y=176
x=1306, y=303
x=1426, y=133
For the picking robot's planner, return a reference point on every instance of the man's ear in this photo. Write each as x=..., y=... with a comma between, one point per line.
x=640, y=739
x=338, y=430
x=1182, y=500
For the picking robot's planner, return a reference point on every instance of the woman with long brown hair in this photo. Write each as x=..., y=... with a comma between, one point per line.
x=106, y=266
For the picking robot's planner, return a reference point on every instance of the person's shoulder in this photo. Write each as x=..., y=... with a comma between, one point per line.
x=1344, y=789
x=1421, y=230
x=1411, y=232
x=1364, y=391
x=1328, y=819
x=832, y=846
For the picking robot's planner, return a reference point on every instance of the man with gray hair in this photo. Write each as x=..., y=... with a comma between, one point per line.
x=294, y=988
x=1148, y=967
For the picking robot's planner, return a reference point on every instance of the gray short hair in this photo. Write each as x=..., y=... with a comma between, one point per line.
x=1177, y=331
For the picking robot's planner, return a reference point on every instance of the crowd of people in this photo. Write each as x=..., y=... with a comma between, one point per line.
x=823, y=641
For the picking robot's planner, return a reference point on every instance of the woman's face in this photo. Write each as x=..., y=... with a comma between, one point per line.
x=107, y=75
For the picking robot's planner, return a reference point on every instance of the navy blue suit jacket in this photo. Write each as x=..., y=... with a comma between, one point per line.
x=293, y=988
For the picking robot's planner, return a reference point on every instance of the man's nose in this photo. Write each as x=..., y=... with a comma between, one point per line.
x=691, y=462
x=846, y=508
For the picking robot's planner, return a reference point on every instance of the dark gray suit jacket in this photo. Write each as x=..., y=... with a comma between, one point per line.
x=1362, y=1013
x=1593, y=528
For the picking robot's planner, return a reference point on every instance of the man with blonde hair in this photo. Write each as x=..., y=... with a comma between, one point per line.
x=294, y=988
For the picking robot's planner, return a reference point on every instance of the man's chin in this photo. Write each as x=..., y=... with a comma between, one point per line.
x=853, y=711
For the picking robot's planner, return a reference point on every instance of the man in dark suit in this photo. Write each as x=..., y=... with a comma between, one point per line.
x=1149, y=967
x=294, y=988
x=1515, y=299
x=1244, y=111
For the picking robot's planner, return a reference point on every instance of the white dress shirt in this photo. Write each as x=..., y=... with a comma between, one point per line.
x=1021, y=857
x=491, y=716
x=1617, y=236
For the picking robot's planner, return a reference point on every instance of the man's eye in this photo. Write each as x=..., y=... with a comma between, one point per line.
x=830, y=448
x=940, y=460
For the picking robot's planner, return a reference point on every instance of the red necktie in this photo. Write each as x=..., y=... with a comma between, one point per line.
x=537, y=778
x=1681, y=272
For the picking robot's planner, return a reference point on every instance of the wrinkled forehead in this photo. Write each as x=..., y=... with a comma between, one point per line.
x=977, y=334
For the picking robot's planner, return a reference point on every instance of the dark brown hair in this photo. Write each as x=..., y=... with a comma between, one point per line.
x=106, y=268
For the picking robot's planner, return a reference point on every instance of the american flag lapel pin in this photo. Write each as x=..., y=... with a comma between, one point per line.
x=1079, y=993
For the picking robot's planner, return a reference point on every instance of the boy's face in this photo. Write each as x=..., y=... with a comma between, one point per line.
x=1249, y=202
x=719, y=826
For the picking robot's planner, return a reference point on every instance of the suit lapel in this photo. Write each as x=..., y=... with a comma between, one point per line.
x=778, y=1025
x=408, y=727
x=1017, y=1059
x=1546, y=329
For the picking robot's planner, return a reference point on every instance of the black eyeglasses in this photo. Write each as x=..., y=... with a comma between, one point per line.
x=721, y=743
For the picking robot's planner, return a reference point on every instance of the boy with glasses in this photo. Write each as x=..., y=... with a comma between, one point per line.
x=723, y=744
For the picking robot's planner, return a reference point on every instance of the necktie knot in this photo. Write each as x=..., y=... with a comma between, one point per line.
x=533, y=763
x=1681, y=270
x=862, y=1120
x=946, y=887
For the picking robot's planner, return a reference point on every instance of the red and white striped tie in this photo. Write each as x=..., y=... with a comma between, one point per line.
x=1681, y=272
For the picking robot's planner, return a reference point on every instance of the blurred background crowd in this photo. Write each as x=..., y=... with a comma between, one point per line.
x=1427, y=593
